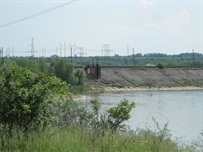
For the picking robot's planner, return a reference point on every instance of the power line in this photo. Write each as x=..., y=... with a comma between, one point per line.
x=37, y=14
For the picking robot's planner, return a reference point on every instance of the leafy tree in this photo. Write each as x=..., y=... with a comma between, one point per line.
x=80, y=75
x=64, y=71
x=27, y=99
x=52, y=68
x=43, y=67
x=27, y=63
x=160, y=65
x=138, y=55
x=113, y=119
x=119, y=114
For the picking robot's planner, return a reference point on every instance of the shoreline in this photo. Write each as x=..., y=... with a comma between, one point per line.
x=125, y=89
x=115, y=89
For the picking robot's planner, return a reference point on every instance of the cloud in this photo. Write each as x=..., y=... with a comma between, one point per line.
x=151, y=25
x=185, y=16
x=177, y=23
x=146, y=4
x=125, y=30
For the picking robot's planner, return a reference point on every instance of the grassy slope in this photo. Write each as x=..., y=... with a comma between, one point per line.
x=77, y=139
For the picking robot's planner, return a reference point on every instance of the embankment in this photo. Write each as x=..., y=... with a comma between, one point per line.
x=143, y=78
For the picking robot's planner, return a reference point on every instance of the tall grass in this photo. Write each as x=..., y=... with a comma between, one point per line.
x=80, y=131
x=78, y=139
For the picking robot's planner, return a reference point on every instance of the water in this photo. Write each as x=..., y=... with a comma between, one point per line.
x=182, y=110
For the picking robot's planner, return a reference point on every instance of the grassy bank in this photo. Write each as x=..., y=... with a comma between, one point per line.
x=79, y=89
x=80, y=139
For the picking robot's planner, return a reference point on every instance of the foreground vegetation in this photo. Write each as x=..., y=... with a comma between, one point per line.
x=78, y=139
x=85, y=130
x=37, y=113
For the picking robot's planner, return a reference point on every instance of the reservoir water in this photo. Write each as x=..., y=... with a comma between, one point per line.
x=182, y=110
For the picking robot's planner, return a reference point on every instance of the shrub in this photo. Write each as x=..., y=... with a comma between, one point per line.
x=160, y=65
x=27, y=99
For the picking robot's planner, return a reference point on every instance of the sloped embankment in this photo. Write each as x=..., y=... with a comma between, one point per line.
x=149, y=77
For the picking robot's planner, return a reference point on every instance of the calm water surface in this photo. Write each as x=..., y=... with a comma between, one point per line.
x=183, y=110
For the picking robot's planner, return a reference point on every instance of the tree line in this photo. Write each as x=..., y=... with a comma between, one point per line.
x=60, y=68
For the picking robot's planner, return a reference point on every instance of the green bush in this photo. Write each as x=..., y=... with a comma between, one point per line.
x=27, y=99
x=160, y=65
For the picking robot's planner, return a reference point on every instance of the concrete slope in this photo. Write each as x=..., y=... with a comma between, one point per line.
x=130, y=77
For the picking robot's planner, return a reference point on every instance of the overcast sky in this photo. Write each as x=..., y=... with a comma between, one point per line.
x=169, y=27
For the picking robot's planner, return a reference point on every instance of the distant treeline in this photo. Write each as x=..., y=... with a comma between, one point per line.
x=139, y=59
x=165, y=55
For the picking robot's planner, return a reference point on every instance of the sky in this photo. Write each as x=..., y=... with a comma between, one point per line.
x=147, y=26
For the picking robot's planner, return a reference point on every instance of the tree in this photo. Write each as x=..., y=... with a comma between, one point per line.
x=27, y=99
x=120, y=113
x=138, y=55
x=160, y=65
x=43, y=67
x=80, y=75
x=27, y=63
x=64, y=71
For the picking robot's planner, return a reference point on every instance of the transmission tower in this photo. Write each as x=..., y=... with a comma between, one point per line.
x=60, y=50
x=8, y=51
x=128, y=50
x=64, y=49
x=32, y=47
x=44, y=52
x=105, y=50
x=81, y=53
x=13, y=51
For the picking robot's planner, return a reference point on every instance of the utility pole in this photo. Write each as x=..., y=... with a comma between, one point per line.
x=133, y=57
x=70, y=49
x=127, y=50
x=71, y=55
x=193, y=57
x=44, y=52
x=60, y=50
x=74, y=49
x=1, y=54
x=32, y=48
x=64, y=49
x=8, y=51
x=13, y=51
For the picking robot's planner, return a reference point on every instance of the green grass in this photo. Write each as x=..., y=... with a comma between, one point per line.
x=78, y=139
x=79, y=89
x=132, y=82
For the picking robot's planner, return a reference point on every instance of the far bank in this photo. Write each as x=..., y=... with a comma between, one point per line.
x=129, y=78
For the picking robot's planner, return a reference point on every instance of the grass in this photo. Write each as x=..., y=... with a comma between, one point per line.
x=132, y=82
x=77, y=139
x=80, y=89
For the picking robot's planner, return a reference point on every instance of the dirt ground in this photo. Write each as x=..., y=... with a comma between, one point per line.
x=147, y=77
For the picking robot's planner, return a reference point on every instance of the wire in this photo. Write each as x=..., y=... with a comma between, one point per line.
x=37, y=14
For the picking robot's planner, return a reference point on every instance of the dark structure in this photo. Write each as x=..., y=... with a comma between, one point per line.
x=93, y=72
